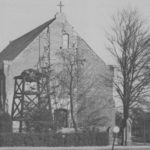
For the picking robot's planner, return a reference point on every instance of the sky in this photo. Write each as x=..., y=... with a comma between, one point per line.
x=90, y=18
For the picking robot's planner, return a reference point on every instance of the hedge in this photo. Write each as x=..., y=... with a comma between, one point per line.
x=53, y=140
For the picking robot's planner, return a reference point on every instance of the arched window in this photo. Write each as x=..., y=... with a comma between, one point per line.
x=65, y=41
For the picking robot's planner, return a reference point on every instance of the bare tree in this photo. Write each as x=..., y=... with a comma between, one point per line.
x=82, y=90
x=129, y=43
x=69, y=76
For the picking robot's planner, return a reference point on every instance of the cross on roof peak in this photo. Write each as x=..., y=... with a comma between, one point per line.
x=60, y=5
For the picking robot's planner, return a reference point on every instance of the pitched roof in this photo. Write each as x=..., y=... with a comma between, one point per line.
x=18, y=45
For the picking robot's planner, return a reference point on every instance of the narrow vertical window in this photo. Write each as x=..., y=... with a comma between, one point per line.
x=65, y=41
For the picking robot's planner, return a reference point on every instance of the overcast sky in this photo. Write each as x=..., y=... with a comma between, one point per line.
x=90, y=18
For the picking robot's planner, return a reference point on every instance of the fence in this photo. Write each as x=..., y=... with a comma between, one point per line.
x=54, y=140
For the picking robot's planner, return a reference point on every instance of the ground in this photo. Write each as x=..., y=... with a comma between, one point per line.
x=78, y=148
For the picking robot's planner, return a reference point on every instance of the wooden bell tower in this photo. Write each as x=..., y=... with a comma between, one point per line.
x=30, y=91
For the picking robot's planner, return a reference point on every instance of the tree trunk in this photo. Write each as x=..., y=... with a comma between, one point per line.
x=122, y=136
x=71, y=104
x=72, y=114
x=126, y=136
x=124, y=127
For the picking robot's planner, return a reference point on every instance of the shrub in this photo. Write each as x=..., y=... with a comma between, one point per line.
x=5, y=122
x=52, y=140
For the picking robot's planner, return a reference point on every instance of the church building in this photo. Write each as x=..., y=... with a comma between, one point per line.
x=52, y=36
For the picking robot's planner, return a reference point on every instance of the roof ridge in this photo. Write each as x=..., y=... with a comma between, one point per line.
x=15, y=47
x=46, y=23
